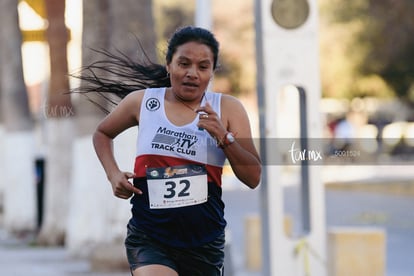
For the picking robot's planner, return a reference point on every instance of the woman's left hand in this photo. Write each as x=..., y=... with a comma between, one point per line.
x=210, y=121
x=241, y=153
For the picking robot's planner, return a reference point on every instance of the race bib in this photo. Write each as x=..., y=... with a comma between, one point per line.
x=177, y=186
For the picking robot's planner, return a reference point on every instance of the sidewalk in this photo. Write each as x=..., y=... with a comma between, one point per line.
x=19, y=258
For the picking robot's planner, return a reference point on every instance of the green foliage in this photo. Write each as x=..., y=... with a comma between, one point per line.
x=379, y=42
x=170, y=15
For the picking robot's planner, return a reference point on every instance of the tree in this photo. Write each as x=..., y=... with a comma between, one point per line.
x=96, y=216
x=59, y=126
x=18, y=175
x=376, y=40
x=391, y=43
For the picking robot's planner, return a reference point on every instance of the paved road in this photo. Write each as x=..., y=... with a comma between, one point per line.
x=394, y=213
x=17, y=258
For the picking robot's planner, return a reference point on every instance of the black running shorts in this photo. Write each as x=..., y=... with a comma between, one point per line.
x=206, y=260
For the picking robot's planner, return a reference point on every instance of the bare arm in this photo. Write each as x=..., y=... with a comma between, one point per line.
x=124, y=116
x=242, y=154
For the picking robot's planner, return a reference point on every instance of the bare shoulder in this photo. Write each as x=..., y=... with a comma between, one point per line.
x=129, y=107
x=231, y=105
x=234, y=116
x=125, y=115
x=135, y=96
x=132, y=100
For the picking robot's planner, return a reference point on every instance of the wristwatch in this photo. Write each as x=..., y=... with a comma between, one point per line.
x=228, y=139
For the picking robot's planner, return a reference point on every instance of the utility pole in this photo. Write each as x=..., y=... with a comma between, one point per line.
x=203, y=14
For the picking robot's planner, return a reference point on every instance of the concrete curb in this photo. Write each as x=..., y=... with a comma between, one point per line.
x=383, y=186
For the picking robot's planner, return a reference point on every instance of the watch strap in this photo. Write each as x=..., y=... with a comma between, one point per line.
x=224, y=142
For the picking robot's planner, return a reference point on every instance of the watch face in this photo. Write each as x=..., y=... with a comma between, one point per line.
x=230, y=138
x=290, y=14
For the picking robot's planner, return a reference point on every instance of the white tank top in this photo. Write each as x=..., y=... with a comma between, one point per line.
x=161, y=143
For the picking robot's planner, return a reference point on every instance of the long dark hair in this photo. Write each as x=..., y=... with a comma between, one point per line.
x=119, y=75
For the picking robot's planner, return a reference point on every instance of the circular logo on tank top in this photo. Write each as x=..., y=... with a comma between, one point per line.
x=152, y=104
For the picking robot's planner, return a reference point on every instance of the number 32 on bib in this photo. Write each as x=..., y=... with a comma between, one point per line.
x=177, y=186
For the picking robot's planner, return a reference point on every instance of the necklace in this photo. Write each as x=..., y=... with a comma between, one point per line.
x=181, y=100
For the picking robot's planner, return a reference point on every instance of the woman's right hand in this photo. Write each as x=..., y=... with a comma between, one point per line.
x=124, y=116
x=121, y=187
